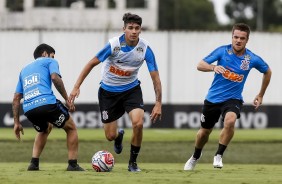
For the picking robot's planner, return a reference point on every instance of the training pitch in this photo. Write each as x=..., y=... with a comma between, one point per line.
x=253, y=157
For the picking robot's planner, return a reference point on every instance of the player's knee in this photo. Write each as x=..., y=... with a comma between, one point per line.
x=229, y=123
x=111, y=136
x=138, y=125
x=49, y=129
x=69, y=125
x=204, y=133
x=229, y=126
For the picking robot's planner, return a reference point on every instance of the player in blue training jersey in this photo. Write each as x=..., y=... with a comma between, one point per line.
x=224, y=97
x=41, y=106
x=120, y=89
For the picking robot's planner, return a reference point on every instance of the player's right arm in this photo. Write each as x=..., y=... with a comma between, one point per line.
x=83, y=74
x=206, y=67
x=100, y=57
x=16, y=114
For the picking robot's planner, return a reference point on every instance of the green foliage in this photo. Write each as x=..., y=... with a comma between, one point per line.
x=268, y=13
x=187, y=15
x=15, y=5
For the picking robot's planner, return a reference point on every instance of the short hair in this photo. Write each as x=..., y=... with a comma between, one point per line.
x=242, y=27
x=42, y=48
x=131, y=18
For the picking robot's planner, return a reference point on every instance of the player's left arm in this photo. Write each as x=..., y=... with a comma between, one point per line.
x=206, y=67
x=157, y=110
x=153, y=68
x=265, y=82
x=59, y=84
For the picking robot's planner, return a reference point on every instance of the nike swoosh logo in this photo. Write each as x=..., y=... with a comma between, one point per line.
x=8, y=120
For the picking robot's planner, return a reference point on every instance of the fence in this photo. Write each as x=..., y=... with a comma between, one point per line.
x=177, y=54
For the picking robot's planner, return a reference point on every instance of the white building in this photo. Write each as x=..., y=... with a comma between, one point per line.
x=76, y=17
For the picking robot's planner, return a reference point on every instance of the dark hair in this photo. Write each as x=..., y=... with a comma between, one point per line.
x=131, y=18
x=242, y=27
x=41, y=48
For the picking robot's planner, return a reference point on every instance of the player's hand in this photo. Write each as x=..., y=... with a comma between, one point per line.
x=18, y=128
x=156, y=112
x=70, y=106
x=74, y=94
x=219, y=69
x=257, y=101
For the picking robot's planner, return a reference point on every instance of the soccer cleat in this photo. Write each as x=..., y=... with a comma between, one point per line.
x=76, y=168
x=217, y=161
x=191, y=163
x=32, y=167
x=118, y=143
x=132, y=167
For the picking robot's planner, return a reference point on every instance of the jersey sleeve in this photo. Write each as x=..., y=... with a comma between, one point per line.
x=214, y=55
x=19, y=87
x=103, y=54
x=54, y=67
x=150, y=60
x=261, y=65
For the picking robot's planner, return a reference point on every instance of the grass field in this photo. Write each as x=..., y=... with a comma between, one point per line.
x=151, y=174
x=254, y=156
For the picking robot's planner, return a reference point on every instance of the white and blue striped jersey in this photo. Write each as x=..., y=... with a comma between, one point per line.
x=230, y=84
x=121, y=63
x=35, y=83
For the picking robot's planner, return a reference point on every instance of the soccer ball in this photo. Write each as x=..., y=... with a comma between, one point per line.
x=103, y=161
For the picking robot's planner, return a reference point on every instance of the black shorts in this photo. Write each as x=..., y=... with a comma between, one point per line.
x=57, y=114
x=114, y=104
x=212, y=111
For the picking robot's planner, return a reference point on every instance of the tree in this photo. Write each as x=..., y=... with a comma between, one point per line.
x=261, y=15
x=187, y=15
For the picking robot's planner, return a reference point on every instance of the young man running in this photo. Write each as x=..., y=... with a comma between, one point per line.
x=120, y=89
x=224, y=98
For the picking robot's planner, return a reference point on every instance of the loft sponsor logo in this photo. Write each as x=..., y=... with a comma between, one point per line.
x=119, y=72
x=232, y=76
x=32, y=94
x=31, y=80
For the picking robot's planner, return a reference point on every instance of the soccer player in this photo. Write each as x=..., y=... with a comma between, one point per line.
x=120, y=89
x=41, y=106
x=224, y=97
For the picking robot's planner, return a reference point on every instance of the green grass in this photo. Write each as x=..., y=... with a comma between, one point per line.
x=155, y=135
x=151, y=173
x=254, y=156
